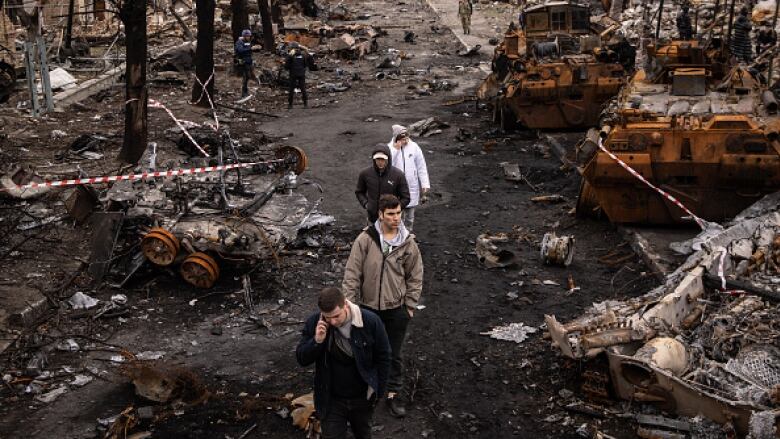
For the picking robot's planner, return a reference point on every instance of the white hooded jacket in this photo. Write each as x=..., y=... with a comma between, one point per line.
x=409, y=160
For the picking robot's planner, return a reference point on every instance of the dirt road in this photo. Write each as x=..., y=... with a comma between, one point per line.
x=459, y=383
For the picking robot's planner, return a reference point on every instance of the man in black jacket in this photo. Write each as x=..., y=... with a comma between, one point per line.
x=298, y=60
x=378, y=179
x=352, y=359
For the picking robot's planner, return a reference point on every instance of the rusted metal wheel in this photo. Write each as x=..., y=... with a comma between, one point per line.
x=200, y=270
x=295, y=155
x=160, y=247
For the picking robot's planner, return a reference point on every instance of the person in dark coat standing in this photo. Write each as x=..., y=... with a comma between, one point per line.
x=351, y=353
x=298, y=60
x=684, y=28
x=741, y=46
x=243, y=55
x=765, y=40
x=378, y=179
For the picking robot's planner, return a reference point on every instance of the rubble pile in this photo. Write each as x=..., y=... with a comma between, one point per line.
x=706, y=341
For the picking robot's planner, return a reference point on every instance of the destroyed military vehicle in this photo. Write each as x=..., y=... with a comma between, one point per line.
x=706, y=343
x=691, y=124
x=557, y=70
x=202, y=222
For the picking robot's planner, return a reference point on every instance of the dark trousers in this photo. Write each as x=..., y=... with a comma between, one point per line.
x=396, y=321
x=247, y=74
x=358, y=412
x=297, y=82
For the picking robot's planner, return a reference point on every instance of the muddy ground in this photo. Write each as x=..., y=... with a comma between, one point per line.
x=459, y=383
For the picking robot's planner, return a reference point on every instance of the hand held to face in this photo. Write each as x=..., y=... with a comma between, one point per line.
x=321, y=331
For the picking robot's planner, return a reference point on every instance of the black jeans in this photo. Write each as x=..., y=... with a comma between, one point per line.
x=358, y=412
x=246, y=71
x=396, y=321
x=297, y=82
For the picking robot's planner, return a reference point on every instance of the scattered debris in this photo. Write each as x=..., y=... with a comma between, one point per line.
x=491, y=255
x=82, y=301
x=557, y=250
x=427, y=127
x=516, y=332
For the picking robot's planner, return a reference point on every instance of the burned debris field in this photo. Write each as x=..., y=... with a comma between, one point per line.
x=600, y=241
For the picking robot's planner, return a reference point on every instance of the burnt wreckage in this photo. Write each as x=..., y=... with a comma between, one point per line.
x=557, y=70
x=707, y=341
x=693, y=125
x=202, y=222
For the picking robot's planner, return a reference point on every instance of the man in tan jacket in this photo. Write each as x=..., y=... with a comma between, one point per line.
x=384, y=273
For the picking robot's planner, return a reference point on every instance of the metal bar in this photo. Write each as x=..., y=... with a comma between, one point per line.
x=46, y=81
x=29, y=65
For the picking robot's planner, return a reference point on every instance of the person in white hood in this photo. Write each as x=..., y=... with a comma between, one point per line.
x=408, y=157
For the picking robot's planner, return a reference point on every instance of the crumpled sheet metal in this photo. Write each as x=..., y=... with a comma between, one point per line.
x=730, y=340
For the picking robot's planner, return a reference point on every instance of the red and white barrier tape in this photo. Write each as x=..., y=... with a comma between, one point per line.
x=675, y=201
x=132, y=177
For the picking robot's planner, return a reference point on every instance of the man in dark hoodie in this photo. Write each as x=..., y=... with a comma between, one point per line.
x=378, y=179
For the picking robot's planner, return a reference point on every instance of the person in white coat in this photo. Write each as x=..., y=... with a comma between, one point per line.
x=408, y=157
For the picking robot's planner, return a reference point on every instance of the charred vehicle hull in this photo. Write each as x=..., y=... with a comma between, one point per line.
x=711, y=144
x=568, y=93
x=557, y=71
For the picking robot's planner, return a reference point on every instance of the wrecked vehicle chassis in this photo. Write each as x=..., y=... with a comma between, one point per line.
x=201, y=223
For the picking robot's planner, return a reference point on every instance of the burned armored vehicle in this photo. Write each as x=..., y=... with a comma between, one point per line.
x=557, y=69
x=229, y=210
x=694, y=126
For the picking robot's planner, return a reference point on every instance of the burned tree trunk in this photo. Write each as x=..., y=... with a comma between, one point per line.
x=133, y=15
x=240, y=18
x=204, y=53
x=268, y=28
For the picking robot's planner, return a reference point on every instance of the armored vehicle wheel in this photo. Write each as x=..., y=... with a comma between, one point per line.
x=295, y=155
x=7, y=81
x=160, y=247
x=200, y=270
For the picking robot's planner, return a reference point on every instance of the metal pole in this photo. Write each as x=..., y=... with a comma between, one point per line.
x=45, y=80
x=772, y=58
x=660, y=15
x=29, y=65
x=731, y=24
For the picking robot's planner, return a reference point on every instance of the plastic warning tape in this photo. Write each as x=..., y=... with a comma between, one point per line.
x=132, y=177
x=632, y=171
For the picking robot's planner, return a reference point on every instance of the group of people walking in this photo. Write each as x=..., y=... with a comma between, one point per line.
x=356, y=338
